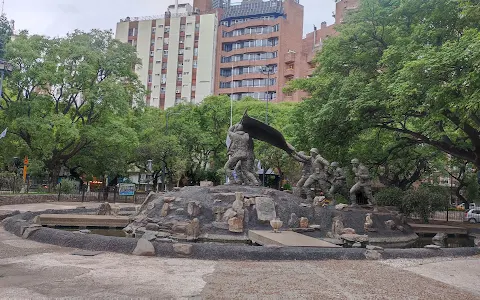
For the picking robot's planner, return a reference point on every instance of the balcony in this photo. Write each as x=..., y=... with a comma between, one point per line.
x=289, y=57
x=289, y=72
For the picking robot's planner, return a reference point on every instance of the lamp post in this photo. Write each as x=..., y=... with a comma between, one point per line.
x=5, y=67
x=267, y=70
x=16, y=166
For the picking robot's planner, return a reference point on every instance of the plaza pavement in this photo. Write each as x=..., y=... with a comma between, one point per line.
x=30, y=270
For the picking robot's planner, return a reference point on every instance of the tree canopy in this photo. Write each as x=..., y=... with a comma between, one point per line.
x=403, y=67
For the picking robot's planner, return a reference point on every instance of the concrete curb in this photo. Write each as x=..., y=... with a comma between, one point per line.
x=209, y=251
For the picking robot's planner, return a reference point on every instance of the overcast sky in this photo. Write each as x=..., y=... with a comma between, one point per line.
x=58, y=17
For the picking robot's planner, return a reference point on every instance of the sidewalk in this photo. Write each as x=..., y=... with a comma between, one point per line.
x=58, y=206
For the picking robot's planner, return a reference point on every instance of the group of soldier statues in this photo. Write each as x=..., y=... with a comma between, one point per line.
x=329, y=177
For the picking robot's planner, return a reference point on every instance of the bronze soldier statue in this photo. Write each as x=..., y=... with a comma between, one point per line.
x=241, y=156
x=363, y=183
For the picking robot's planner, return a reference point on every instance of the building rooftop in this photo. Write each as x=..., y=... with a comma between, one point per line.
x=253, y=7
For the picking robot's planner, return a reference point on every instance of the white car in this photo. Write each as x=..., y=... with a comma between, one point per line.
x=473, y=216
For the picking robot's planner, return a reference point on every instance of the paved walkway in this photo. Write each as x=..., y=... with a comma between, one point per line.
x=30, y=270
x=58, y=205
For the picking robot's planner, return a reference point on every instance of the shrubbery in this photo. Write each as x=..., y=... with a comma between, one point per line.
x=67, y=186
x=391, y=196
x=422, y=201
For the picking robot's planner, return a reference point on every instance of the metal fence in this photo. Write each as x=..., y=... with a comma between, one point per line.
x=453, y=216
x=110, y=195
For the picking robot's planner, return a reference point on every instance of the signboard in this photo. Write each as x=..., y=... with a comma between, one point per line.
x=126, y=189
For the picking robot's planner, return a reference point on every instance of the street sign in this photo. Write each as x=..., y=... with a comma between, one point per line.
x=126, y=189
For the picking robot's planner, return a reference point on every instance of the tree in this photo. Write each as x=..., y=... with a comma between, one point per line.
x=6, y=32
x=70, y=95
x=406, y=67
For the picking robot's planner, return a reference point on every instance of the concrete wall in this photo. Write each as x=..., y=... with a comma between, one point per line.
x=206, y=57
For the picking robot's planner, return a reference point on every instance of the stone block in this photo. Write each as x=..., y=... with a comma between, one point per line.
x=105, y=209
x=354, y=238
x=230, y=213
x=265, y=209
x=193, y=208
x=149, y=235
x=348, y=231
x=341, y=206
x=29, y=230
x=373, y=255
x=152, y=227
x=303, y=222
x=182, y=249
x=193, y=229
x=169, y=199
x=220, y=225
x=144, y=248
x=206, y=183
x=390, y=224
x=180, y=227
x=235, y=225
x=165, y=210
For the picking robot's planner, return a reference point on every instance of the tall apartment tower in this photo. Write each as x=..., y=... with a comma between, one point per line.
x=177, y=51
x=252, y=35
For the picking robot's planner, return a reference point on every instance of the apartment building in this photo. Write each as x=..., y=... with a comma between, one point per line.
x=256, y=45
x=177, y=51
x=313, y=42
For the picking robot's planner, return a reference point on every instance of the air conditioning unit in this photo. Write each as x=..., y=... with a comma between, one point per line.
x=181, y=42
x=178, y=92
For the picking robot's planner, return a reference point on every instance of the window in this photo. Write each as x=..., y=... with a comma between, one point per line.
x=167, y=29
x=195, y=64
x=186, y=73
x=182, y=40
x=179, y=77
x=166, y=41
x=164, y=78
x=182, y=28
x=197, y=26
x=180, y=65
x=165, y=52
x=162, y=90
x=194, y=88
x=188, y=48
x=154, y=29
x=158, y=62
x=164, y=66
x=160, y=26
x=195, y=52
x=149, y=78
x=180, y=51
x=152, y=53
x=188, y=36
x=187, y=60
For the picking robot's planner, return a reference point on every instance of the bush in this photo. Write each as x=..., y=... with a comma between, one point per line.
x=67, y=186
x=339, y=199
x=423, y=202
x=390, y=196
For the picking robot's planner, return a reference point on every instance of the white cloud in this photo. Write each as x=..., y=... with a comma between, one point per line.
x=58, y=17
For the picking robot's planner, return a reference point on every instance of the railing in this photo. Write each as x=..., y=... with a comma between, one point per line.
x=453, y=216
x=165, y=16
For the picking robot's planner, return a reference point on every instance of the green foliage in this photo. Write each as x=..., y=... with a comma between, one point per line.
x=68, y=99
x=67, y=186
x=390, y=196
x=10, y=182
x=424, y=201
x=6, y=31
x=404, y=69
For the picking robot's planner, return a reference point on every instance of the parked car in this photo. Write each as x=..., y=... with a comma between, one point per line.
x=473, y=216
